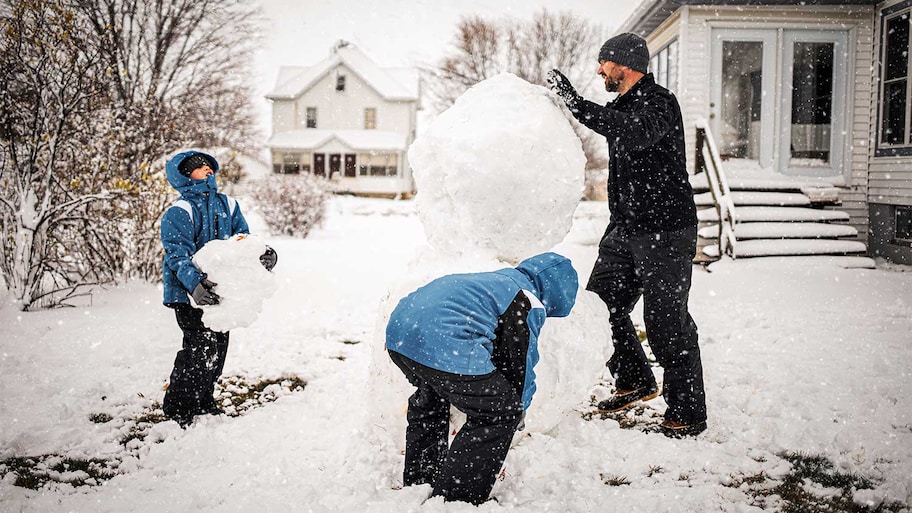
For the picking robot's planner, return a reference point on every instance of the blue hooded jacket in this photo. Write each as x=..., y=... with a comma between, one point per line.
x=200, y=215
x=451, y=324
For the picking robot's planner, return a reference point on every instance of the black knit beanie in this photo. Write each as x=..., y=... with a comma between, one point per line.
x=627, y=50
x=197, y=160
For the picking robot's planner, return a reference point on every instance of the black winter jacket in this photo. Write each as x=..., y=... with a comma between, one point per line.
x=648, y=188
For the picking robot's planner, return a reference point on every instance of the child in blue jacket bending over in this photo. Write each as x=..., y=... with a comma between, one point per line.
x=470, y=340
x=199, y=216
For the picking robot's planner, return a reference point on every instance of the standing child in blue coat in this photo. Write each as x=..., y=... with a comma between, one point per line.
x=470, y=340
x=199, y=216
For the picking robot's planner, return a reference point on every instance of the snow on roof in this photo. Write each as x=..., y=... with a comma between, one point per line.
x=390, y=83
x=310, y=139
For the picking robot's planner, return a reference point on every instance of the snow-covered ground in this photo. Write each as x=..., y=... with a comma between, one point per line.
x=799, y=355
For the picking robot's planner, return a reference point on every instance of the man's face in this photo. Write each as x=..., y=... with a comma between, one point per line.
x=201, y=173
x=613, y=74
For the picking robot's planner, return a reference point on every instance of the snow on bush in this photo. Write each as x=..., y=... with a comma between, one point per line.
x=290, y=204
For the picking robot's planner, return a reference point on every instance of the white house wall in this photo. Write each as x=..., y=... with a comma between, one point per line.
x=333, y=114
x=693, y=25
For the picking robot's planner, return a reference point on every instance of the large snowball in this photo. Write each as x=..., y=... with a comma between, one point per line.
x=243, y=283
x=500, y=170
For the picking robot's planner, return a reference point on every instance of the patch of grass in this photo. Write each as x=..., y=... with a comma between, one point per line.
x=36, y=472
x=237, y=395
x=351, y=342
x=796, y=491
x=612, y=480
x=654, y=469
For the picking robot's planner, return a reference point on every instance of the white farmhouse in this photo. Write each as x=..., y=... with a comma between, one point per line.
x=346, y=119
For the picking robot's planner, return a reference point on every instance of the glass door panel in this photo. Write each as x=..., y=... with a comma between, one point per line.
x=813, y=103
x=740, y=106
x=741, y=98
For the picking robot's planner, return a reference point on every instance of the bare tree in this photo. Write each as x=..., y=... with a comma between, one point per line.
x=96, y=94
x=179, y=77
x=50, y=70
x=528, y=49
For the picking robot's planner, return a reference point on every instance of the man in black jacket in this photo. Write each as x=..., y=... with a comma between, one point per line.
x=650, y=242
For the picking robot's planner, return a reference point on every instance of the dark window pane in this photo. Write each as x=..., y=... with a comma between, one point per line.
x=812, y=84
x=896, y=61
x=894, y=113
x=904, y=223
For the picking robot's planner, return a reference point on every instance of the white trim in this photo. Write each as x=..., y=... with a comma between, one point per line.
x=536, y=303
x=184, y=204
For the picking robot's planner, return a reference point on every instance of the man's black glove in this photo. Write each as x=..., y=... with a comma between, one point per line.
x=562, y=86
x=269, y=258
x=204, y=294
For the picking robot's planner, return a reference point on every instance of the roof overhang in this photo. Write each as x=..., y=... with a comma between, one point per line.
x=651, y=13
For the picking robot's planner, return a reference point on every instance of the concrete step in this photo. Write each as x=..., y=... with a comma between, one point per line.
x=774, y=214
x=779, y=230
x=740, y=198
x=788, y=247
x=699, y=184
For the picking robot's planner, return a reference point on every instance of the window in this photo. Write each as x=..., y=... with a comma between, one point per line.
x=904, y=224
x=896, y=82
x=340, y=83
x=370, y=118
x=311, y=117
x=377, y=164
x=664, y=66
x=290, y=163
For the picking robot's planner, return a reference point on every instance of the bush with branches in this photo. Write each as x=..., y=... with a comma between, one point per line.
x=290, y=204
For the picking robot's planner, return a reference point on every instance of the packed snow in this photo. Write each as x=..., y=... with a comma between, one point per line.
x=500, y=171
x=242, y=282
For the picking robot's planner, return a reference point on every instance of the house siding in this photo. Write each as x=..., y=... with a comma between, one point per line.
x=889, y=179
x=333, y=114
x=693, y=26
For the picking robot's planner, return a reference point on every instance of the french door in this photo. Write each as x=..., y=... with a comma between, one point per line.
x=778, y=96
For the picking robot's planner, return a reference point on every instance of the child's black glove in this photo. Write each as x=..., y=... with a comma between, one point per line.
x=269, y=258
x=562, y=86
x=204, y=294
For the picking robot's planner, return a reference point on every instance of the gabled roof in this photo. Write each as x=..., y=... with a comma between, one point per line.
x=651, y=13
x=391, y=83
x=359, y=140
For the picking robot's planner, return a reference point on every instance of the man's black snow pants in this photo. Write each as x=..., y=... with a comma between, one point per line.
x=467, y=471
x=657, y=267
x=197, y=366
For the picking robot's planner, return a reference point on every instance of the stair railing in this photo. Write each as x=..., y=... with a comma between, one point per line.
x=709, y=161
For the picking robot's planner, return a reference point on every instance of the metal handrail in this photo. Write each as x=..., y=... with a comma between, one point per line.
x=709, y=161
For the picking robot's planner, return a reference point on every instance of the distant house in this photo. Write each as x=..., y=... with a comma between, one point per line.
x=818, y=91
x=347, y=119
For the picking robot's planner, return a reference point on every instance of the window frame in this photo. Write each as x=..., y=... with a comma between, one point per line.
x=883, y=149
x=370, y=118
x=664, y=65
x=310, y=121
x=905, y=211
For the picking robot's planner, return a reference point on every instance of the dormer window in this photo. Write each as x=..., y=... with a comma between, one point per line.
x=340, y=83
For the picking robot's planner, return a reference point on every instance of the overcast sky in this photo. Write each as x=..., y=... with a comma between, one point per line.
x=393, y=32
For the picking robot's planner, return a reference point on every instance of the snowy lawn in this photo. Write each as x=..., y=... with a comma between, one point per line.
x=800, y=356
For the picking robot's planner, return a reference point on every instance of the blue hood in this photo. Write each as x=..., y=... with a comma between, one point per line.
x=184, y=184
x=555, y=280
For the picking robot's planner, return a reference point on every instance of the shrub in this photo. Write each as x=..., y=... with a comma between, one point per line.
x=290, y=204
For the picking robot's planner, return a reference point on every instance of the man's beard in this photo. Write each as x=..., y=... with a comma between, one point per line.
x=613, y=81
